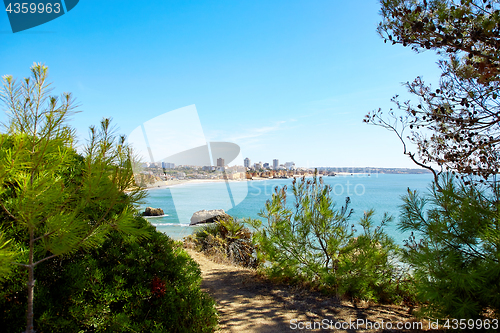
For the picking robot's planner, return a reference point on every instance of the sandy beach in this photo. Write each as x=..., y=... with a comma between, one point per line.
x=171, y=183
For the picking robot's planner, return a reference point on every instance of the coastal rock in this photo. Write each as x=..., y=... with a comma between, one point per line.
x=150, y=211
x=207, y=216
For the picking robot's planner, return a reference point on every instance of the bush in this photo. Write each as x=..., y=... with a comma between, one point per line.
x=456, y=260
x=226, y=240
x=370, y=268
x=314, y=243
x=125, y=285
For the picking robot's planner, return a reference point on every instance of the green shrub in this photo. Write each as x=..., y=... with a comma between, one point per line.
x=125, y=285
x=227, y=240
x=314, y=243
x=454, y=250
x=369, y=268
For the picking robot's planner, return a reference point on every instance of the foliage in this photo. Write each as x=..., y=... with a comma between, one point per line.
x=314, y=243
x=227, y=239
x=455, y=125
x=468, y=26
x=54, y=201
x=456, y=260
x=307, y=241
x=7, y=256
x=370, y=269
x=126, y=285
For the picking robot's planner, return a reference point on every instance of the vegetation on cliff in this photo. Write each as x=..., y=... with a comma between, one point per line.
x=309, y=240
x=226, y=240
x=68, y=221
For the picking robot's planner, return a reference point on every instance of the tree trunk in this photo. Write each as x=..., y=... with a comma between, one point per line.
x=31, y=286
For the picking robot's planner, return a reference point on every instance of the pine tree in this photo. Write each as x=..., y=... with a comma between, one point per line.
x=311, y=240
x=454, y=250
x=54, y=201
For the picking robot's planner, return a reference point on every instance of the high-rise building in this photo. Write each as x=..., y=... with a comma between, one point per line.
x=266, y=166
x=275, y=164
x=290, y=165
x=246, y=162
x=167, y=165
x=220, y=162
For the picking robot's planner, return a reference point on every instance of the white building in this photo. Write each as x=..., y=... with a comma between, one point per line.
x=246, y=162
x=290, y=166
x=276, y=164
x=168, y=165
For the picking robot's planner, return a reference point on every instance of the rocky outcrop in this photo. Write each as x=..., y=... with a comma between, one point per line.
x=150, y=211
x=207, y=216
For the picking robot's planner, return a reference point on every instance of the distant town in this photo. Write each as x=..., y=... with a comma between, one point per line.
x=170, y=172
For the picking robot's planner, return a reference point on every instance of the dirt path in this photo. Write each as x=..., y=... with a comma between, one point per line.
x=247, y=303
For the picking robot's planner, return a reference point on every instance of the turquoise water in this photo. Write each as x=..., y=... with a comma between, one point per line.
x=381, y=192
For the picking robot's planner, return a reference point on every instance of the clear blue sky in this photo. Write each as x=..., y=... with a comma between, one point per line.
x=283, y=79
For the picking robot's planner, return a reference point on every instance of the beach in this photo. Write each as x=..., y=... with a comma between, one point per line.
x=171, y=183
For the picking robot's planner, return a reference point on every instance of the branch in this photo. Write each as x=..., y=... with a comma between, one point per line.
x=436, y=174
x=383, y=123
x=7, y=211
x=43, y=236
x=22, y=265
x=46, y=258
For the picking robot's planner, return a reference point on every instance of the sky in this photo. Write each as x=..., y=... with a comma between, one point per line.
x=288, y=80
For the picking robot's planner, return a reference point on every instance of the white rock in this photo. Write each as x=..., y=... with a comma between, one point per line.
x=203, y=216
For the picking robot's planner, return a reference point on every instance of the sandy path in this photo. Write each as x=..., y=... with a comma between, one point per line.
x=247, y=303
x=244, y=306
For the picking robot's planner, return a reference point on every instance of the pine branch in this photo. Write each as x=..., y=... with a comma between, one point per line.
x=8, y=212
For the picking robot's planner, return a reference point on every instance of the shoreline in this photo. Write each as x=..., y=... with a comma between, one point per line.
x=171, y=183
x=166, y=184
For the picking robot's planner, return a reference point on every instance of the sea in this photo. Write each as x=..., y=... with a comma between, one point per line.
x=243, y=199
